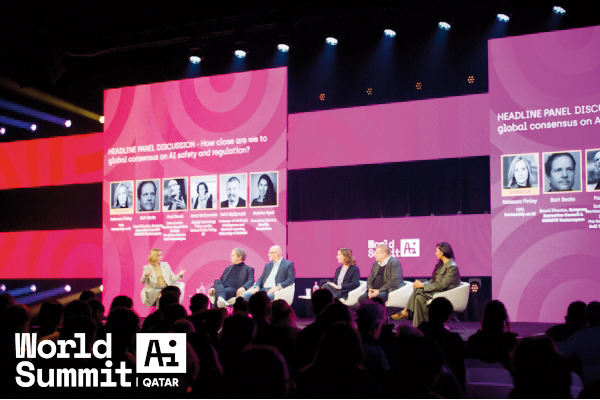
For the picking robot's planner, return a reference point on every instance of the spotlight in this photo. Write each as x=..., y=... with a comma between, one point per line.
x=240, y=53
x=101, y=287
x=419, y=85
x=503, y=17
x=282, y=47
x=322, y=96
x=195, y=59
x=68, y=123
x=33, y=127
x=32, y=288
x=559, y=10
x=101, y=119
x=67, y=288
x=471, y=79
x=2, y=130
x=389, y=33
x=444, y=25
x=331, y=41
x=3, y=288
x=369, y=91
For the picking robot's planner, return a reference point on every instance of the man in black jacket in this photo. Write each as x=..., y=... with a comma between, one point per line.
x=236, y=279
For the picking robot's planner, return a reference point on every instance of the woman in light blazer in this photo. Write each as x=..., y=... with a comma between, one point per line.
x=347, y=276
x=157, y=275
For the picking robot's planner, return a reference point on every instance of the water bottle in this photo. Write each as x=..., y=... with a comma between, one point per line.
x=316, y=287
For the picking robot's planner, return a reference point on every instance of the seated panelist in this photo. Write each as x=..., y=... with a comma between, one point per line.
x=347, y=276
x=386, y=275
x=157, y=275
x=445, y=276
x=278, y=274
x=236, y=279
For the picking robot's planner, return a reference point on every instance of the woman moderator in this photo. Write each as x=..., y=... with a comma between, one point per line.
x=121, y=199
x=445, y=276
x=157, y=275
x=347, y=276
x=204, y=199
x=266, y=192
x=519, y=173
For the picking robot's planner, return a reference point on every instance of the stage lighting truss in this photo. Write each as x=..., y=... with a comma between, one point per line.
x=503, y=17
x=559, y=10
x=331, y=41
x=444, y=25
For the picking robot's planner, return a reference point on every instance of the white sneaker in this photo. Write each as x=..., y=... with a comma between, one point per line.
x=221, y=303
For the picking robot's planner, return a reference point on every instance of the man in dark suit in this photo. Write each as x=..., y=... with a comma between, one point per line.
x=236, y=279
x=386, y=275
x=278, y=274
x=233, y=194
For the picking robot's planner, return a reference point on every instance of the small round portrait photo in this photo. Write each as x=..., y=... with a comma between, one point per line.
x=233, y=190
x=203, y=191
x=175, y=194
x=562, y=171
x=520, y=176
x=148, y=193
x=263, y=189
x=593, y=170
x=121, y=195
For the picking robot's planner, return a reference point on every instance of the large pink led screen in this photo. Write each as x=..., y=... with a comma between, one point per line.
x=416, y=130
x=195, y=168
x=314, y=244
x=545, y=196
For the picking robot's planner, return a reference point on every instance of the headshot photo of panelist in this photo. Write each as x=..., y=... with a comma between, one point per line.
x=235, y=280
x=175, y=197
x=146, y=192
x=560, y=172
x=347, y=276
x=121, y=196
x=233, y=194
x=278, y=274
x=445, y=276
x=204, y=199
x=266, y=192
x=597, y=165
x=519, y=173
x=386, y=275
x=156, y=276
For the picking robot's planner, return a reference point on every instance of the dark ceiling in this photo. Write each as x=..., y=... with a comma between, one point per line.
x=75, y=50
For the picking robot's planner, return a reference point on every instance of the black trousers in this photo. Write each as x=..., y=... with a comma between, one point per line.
x=383, y=295
x=223, y=291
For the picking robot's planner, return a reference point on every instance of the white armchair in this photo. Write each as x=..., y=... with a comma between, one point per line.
x=399, y=297
x=286, y=294
x=459, y=297
x=353, y=295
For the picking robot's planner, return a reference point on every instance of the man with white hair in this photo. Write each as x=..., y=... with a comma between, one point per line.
x=278, y=274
